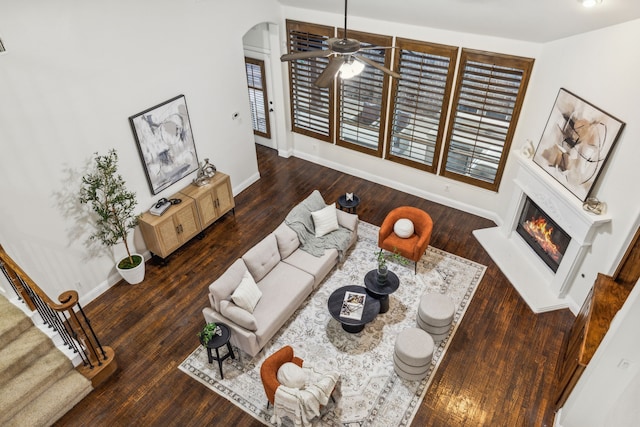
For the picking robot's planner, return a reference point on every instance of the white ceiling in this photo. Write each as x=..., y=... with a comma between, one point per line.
x=530, y=20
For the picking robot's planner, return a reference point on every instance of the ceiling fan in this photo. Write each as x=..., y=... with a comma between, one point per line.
x=344, y=58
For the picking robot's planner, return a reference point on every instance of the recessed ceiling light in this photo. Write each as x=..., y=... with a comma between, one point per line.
x=590, y=3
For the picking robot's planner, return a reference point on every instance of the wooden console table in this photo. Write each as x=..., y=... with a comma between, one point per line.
x=200, y=207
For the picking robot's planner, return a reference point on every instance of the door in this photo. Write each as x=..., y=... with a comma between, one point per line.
x=258, y=99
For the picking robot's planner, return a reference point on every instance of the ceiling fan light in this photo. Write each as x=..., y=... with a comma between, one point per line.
x=351, y=68
x=590, y=3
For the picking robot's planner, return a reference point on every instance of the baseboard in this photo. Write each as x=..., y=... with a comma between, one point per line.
x=455, y=204
x=246, y=183
x=556, y=419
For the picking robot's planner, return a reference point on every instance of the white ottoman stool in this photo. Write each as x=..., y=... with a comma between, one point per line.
x=412, y=354
x=435, y=315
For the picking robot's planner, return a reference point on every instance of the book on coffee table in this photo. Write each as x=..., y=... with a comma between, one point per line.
x=353, y=305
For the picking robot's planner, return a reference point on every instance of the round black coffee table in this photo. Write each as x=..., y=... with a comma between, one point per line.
x=216, y=342
x=381, y=290
x=348, y=205
x=369, y=312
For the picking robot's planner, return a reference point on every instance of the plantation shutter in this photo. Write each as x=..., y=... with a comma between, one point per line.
x=362, y=99
x=420, y=101
x=257, y=97
x=311, y=106
x=489, y=93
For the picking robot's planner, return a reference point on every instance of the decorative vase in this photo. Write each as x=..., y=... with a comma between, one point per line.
x=133, y=275
x=382, y=274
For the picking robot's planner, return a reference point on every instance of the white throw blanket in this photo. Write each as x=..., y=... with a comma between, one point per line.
x=302, y=405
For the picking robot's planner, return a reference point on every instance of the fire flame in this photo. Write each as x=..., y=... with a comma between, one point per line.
x=541, y=231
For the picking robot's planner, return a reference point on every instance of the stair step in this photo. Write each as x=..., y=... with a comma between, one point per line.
x=39, y=376
x=53, y=402
x=21, y=352
x=14, y=322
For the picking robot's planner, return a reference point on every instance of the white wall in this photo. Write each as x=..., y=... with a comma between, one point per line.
x=599, y=66
x=73, y=73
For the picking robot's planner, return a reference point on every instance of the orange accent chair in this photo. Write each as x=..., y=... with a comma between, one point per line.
x=414, y=246
x=269, y=370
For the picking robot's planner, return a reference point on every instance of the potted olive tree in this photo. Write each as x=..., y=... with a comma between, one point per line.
x=104, y=190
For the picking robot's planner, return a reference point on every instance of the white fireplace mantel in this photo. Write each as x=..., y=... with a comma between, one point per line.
x=539, y=286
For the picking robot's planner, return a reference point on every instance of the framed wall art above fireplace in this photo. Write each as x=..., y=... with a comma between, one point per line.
x=165, y=142
x=576, y=142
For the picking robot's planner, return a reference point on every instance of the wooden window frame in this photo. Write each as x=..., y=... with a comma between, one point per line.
x=297, y=84
x=423, y=86
x=489, y=59
x=368, y=75
x=265, y=99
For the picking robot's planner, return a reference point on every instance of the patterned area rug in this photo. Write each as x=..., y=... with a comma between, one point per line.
x=372, y=393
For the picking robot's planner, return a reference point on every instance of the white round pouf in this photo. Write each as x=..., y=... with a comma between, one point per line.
x=412, y=354
x=403, y=228
x=435, y=315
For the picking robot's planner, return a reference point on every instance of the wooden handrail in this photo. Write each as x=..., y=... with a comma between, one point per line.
x=67, y=318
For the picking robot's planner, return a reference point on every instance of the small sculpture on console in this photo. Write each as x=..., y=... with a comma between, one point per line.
x=205, y=173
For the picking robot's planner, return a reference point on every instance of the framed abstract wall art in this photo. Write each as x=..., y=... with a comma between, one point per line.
x=576, y=142
x=165, y=142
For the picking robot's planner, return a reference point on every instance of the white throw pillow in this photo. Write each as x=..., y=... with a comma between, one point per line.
x=325, y=220
x=237, y=315
x=247, y=294
x=291, y=375
x=403, y=228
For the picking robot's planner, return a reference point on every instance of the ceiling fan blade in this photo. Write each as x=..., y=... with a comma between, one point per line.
x=374, y=64
x=305, y=55
x=326, y=77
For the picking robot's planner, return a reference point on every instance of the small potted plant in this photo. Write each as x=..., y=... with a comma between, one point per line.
x=104, y=190
x=207, y=333
x=382, y=258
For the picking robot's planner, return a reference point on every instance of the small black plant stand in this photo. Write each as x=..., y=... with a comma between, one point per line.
x=381, y=290
x=215, y=343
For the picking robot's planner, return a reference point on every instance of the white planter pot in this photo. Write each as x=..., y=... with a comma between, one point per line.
x=134, y=275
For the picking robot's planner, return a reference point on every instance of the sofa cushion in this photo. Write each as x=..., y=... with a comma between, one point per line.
x=238, y=315
x=223, y=287
x=325, y=220
x=247, y=294
x=319, y=267
x=283, y=290
x=261, y=258
x=287, y=240
x=291, y=375
x=347, y=220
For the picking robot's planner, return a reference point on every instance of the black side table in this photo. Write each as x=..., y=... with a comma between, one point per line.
x=381, y=290
x=218, y=341
x=348, y=205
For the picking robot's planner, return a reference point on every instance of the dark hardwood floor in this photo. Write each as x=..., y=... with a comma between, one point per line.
x=498, y=370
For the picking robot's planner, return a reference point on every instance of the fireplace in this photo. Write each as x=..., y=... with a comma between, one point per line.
x=542, y=234
x=548, y=210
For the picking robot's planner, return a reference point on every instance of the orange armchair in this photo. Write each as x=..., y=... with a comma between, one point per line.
x=269, y=370
x=414, y=246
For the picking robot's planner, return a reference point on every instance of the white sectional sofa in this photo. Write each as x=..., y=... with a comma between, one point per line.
x=285, y=274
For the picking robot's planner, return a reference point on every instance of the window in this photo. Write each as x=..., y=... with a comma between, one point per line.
x=419, y=102
x=311, y=106
x=258, y=97
x=362, y=99
x=489, y=94
x=458, y=124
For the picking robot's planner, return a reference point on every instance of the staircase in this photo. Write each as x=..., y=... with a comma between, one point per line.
x=38, y=384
